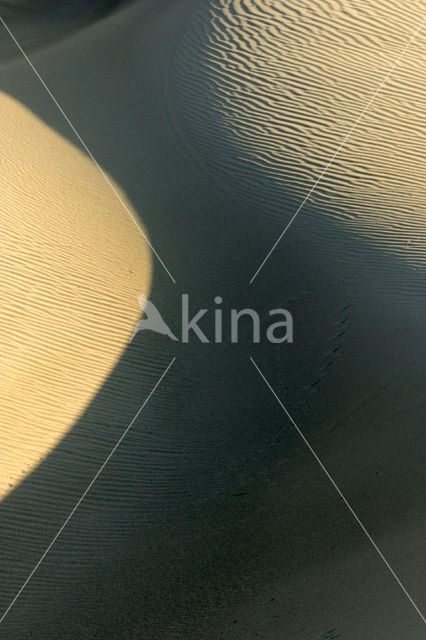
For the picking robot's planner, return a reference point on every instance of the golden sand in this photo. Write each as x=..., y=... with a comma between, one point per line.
x=287, y=83
x=72, y=265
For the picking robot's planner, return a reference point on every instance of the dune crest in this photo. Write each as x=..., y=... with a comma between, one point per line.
x=72, y=265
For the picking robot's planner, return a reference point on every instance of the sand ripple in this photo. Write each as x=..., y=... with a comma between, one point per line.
x=283, y=82
x=72, y=265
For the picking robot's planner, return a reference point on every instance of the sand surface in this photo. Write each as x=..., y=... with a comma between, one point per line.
x=70, y=274
x=212, y=520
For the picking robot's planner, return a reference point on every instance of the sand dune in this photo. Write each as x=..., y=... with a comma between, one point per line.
x=36, y=23
x=213, y=520
x=287, y=81
x=72, y=265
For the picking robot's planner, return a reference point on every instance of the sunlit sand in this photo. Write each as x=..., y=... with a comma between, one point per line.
x=213, y=520
x=73, y=263
x=286, y=83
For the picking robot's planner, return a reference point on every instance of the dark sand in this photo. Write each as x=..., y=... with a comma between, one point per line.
x=212, y=520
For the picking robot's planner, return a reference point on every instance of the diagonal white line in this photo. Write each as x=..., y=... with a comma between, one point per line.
x=339, y=148
x=89, y=153
x=80, y=500
x=338, y=491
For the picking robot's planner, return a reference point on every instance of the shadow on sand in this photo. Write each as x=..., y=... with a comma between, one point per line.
x=212, y=502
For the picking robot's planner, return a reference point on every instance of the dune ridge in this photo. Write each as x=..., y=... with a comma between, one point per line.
x=212, y=520
x=73, y=263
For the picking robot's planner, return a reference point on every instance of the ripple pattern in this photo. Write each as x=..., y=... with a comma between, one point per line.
x=266, y=91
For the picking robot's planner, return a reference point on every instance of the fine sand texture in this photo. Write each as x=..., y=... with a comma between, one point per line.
x=36, y=23
x=213, y=521
x=73, y=262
